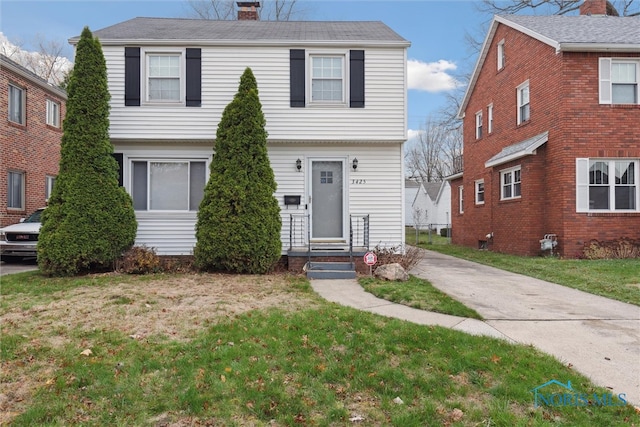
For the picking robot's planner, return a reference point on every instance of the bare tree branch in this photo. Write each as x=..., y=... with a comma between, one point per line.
x=434, y=154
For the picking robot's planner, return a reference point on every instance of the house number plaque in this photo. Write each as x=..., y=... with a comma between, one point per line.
x=358, y=181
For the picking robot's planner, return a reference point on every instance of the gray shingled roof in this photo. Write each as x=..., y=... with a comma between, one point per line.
x=582, y=29
x=518, y=150
x=209, y=31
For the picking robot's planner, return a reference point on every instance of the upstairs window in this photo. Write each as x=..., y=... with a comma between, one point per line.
x=163, y=77
x=479, y=125
x=510, y=183
x=480, y=192
x=53, y=113
x=327, y=79
x=607, y=185
x=490, y=118
x=501, y=56
x=523, y=102
x=16, y=104
x=619, y=80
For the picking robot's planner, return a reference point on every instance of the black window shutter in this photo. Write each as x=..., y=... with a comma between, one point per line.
x=356, y=83
x=297, y=77
x=132, y=76
x=194, y=78
x=120, y=159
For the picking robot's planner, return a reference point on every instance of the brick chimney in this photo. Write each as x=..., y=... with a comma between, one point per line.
x=593, y=7
x=248, y=10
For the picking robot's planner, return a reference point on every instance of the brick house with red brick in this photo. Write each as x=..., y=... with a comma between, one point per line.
x=32, y=112
x=551, y=123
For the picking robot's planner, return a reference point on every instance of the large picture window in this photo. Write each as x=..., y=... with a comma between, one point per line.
x=168, y=185
x=510, y=180
x=327, y=78
x=607, y=185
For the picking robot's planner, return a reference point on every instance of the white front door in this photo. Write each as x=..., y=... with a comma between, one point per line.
x=327, y=200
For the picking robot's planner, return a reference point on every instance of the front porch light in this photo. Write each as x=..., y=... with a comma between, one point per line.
x=299, y=164
x=354, y=164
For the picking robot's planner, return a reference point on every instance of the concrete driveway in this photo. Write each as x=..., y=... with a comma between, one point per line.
x=18, y=266
x=597, y=336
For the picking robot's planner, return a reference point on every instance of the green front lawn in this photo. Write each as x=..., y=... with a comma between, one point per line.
x=257, y=350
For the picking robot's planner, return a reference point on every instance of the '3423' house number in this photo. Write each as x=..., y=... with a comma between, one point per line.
x=358, y=181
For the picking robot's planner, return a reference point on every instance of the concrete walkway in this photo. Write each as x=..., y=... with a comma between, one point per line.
x=597, y=336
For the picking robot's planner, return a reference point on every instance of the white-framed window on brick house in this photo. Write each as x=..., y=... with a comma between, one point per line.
x=327, y=78
x=17, y=103
x=619, y=81
x=500, y=54
x=479, y=192
x=510, y=183
x=164, y=77
x=168, y=185
x=53, y=113
x=479, y=125
x=489, y=118
x=15, y=190
x=461, y=199
x=522, y=93
x=49, y=181
x=607, y=185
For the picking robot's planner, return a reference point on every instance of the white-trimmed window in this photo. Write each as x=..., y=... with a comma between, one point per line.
x=16, y=104
x=164, y=72
x=500, y=54
x=523, y=102
x=480, y=192
x=15, y=190
x=461, y=199
x=53, y=113
x=168, y=185
x=49, y=181
x=489, y=118
x=479, y=125
x=327, y=78
x=510, y=183
x=607, y=185
x=619, y=81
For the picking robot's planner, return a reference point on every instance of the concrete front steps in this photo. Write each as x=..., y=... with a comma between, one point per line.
x=331, y=270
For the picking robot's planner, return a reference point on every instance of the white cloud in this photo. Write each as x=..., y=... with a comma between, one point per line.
x=48, y=67
x=431, y=76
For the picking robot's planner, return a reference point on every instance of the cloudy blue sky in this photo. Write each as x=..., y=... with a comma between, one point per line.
x=436, y=30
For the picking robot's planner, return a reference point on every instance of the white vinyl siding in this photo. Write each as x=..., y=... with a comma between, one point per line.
x=383, y=119
x=619, y=81
x=607, y=185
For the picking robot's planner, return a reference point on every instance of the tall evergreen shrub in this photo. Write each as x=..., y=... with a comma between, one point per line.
x=89, y=220
x=238, y=227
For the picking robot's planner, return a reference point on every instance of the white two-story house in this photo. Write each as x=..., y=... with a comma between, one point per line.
x=334, y=95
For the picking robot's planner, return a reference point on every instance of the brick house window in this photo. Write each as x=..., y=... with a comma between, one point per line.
x=479, y=125
x=523, y=102
x=501, y=57
x=489, y=118
x=607, y=185
x=168, y=185
x=15, y=190
x=619, y=81
x=510, y=181
x=480, y=192
x=461, y=199
x=49, y=181
x=16, y=104
x=53, y=113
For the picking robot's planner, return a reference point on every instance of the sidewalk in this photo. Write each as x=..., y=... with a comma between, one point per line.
x=598, y=336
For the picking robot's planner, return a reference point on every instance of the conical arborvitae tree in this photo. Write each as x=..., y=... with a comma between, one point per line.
x=238, y=228
x=89, y=220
